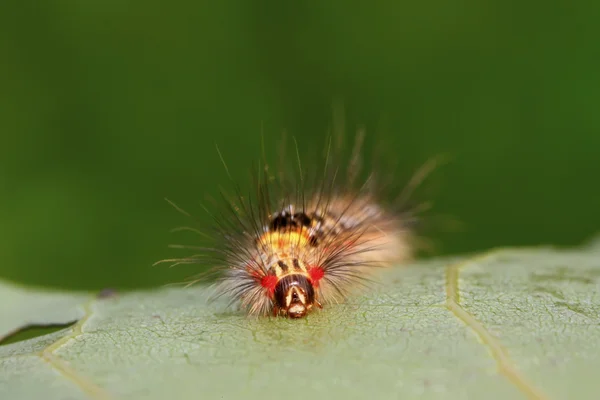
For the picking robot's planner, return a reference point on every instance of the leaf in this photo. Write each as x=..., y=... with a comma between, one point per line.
x=29, y=307
x=511, y=323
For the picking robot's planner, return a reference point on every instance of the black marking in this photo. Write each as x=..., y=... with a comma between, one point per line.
x=285, y=221
x=296, y=264
x=295, y=297
x=278, y=223
x=283, y=266
x=303, y=219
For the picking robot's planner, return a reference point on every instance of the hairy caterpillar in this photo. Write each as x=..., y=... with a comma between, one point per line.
x=291, y=246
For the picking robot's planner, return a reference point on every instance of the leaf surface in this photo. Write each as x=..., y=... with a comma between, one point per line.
x=510, y=323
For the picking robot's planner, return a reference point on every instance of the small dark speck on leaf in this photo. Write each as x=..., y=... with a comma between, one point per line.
x=107, y=293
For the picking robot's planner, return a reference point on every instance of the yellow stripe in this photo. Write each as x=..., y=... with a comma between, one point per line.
x=282, y=241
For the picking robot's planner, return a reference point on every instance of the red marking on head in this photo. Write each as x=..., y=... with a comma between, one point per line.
x=269, y=282
x=315, y=273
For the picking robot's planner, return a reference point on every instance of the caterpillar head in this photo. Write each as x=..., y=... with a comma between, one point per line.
x=294, y=296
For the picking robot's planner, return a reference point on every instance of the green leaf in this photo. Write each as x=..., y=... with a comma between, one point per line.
x=23, y=307
x=511, y=323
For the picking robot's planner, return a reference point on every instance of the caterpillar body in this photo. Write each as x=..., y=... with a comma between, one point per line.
x=285, y=252
x=315, y=254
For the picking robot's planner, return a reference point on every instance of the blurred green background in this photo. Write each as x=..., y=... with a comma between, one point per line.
x=107, y=107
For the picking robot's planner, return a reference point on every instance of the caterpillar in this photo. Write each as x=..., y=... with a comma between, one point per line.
x=289, y=246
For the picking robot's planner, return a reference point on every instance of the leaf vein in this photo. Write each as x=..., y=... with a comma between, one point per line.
x=498, y=352
x=48, y=355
